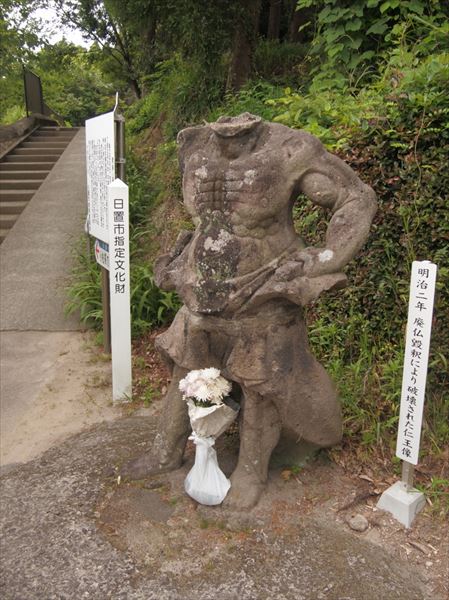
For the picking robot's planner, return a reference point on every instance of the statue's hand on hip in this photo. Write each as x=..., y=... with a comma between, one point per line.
x=309, y=262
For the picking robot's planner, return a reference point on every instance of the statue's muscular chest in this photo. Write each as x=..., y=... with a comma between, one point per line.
x=224, y=187
x=231, y=190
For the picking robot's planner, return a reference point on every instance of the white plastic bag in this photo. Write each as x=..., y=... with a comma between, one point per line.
x=206, y=483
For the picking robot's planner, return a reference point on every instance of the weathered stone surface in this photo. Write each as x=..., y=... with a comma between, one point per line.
x=68, y=532
x=244, y=275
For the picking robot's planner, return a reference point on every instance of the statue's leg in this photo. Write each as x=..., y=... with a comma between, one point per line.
x=259, y=433
x=170, y=441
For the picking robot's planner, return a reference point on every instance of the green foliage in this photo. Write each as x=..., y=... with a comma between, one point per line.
x=72, y=83
x=20, y=35
x=12, y=114
x=251, y=98
x=394, y=131
x=330, y=114
x=275, y=61
x=437, y=494
x=84, y=292
x=150, y=306
x=350, y=35
x=180, y=93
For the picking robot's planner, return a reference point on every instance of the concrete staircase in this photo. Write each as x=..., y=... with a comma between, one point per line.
x=25, y=167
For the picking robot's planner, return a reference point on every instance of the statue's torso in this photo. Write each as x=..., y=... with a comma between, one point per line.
x=242, y=211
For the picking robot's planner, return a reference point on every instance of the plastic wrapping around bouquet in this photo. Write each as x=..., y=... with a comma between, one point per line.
x=206, y=483
x=212, y=421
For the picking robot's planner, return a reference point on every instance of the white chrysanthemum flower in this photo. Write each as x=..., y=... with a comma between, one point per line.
x=211, y=373
x=184, y=386
x=201, y=392
x=223, y=386
x=205, y=385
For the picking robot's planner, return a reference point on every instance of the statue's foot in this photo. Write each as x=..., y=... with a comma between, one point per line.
x=147, y=465
x=245, y=492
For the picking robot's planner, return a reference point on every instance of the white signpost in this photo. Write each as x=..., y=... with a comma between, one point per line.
x=118, y=220
x=401, y=499
x=108, y=222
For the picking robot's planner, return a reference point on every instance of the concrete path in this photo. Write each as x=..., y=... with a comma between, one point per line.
x=35, y=258
x=52, y=383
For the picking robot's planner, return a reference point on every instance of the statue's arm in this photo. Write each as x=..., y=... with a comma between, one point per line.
x=167, y=266
x=330, y=183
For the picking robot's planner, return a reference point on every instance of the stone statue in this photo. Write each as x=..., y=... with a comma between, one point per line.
x=243, y=276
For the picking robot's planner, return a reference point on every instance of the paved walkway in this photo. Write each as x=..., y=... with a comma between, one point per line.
x=35, y=258
x=71, y=532
x=45, y=367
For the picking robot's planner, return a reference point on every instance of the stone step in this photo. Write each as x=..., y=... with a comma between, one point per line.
x=30, y=158
x=62, y=129
x=7, y=195
x=19, y=184
x=66, y=134
x=36, y=151
x=53, y=139
x=22, y=175
x=7, y=221
x=53, y=144
x=26, y=166
x=3, y=234
x=13, y=208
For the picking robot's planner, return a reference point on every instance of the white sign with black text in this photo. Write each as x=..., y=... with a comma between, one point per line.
x=119, y=274
x=100, y=168
x=419, y=325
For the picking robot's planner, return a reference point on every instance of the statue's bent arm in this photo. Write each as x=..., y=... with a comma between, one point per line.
x=330, y=183
x=167, y=265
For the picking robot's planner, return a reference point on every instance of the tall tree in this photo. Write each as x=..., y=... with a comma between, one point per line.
x=244, y=42
x=274, y=19
x=107, y=24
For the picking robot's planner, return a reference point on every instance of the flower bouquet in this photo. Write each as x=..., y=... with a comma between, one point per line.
x=211, y=412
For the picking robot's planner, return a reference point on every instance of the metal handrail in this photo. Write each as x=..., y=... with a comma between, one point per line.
x=34, y=97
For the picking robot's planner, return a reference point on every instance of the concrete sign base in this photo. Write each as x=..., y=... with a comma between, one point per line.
x=402, y=503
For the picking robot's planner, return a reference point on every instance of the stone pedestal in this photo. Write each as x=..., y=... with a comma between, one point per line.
x=404, y=504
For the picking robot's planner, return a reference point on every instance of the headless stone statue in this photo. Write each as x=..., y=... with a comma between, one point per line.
x=244, y=275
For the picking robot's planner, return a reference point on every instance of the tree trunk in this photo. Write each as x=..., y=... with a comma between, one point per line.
x=243, y=45
x=299, y=17
x=274, y=19
x=135, y=87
